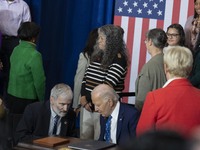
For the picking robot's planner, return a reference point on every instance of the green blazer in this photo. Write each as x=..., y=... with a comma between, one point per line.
x=27, y=78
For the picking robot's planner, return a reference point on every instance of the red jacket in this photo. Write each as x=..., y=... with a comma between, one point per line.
x=176, y=107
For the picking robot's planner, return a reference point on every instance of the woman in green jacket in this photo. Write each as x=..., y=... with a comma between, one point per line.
x=27, y=79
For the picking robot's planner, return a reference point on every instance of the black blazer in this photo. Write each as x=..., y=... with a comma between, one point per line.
x=36, y=119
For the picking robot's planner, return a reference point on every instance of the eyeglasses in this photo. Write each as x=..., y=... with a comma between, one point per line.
x=172, y=35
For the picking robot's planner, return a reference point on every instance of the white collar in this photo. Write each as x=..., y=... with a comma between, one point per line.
x=170, y=80
x=116, y=111
x=53, y=114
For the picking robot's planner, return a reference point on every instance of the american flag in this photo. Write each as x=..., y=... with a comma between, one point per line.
x=136, y=17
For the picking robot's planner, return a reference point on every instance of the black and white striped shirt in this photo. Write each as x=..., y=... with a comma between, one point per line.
x=114, y=76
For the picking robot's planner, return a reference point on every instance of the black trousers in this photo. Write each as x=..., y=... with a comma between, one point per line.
x=17, y=105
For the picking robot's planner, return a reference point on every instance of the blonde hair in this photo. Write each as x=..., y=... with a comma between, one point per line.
x=178, y=61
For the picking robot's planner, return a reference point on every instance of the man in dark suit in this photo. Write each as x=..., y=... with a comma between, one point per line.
x=124, y=116
x=48, y=118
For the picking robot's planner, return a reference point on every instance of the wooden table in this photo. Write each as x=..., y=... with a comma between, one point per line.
x=29, y=145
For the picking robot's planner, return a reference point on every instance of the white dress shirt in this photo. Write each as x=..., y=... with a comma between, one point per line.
x=12, y=14
x=113, y=132
x=53, y=114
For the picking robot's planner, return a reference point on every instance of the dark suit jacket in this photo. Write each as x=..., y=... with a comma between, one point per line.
x=126, y=125
x=36, y=119
x=195, y=73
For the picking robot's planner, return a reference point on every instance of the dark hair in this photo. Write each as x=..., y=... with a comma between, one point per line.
x=91, y=41
x=159, y=140
x=121, y=30
x=28, y=30
x=197, y=46
x=195, y=13
x=181, y=33
x=158, y=37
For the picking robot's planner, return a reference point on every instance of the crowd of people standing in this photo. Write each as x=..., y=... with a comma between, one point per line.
x=163, y=86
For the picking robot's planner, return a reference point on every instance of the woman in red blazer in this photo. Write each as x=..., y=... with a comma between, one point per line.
x=176, y=106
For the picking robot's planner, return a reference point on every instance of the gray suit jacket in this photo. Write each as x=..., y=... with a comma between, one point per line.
x=151, y=77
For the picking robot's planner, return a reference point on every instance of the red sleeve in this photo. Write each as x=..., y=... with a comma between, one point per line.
x=148, y=116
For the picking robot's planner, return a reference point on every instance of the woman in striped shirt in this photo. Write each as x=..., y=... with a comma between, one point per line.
x=108, y=65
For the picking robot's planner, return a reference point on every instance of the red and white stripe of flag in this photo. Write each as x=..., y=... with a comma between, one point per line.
x=176, y=11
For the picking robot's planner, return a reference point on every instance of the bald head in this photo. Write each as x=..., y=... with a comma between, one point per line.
x=104, y=98
x=102, y=89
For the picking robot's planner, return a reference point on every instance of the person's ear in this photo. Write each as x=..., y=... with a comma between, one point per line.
x=33, y=40
x=52, y=100
x=110, y=102
x=150, y=42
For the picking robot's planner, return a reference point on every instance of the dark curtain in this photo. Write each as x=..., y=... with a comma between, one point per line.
x=35, y=8
x=65, y=25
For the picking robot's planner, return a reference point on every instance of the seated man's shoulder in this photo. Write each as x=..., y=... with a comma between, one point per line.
x=36, y=104
x=130, y=108
x=35, y=107
x=71, y=114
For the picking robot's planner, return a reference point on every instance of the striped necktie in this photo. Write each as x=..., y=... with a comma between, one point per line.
x=56, y=118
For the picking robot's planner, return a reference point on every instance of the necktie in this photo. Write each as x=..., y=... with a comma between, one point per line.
x=56, y=118
x=108, y=126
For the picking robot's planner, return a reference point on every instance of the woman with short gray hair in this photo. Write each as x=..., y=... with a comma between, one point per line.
x=152, y=75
